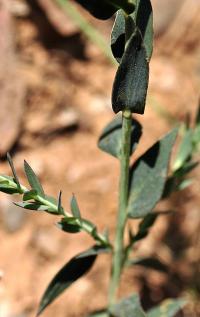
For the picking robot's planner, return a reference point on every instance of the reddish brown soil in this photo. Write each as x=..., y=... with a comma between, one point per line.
x=70, y=73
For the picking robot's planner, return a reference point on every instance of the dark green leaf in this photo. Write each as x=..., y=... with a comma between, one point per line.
x=33, y=180
x=110, y=139
x=13, y=170
x=168, y=308
x=32, y=206
x=185, y=150
x=144, y=21
x=75, y=208
x=148, y=176
x=128, y=307
x=7, y=189
x=150, y=263
x=73, y=270
x=69, y=225
x=104, y=9
x=31, y=194
x=60, y=208
x=101, y=9
x=131, y=80
x=118, y=36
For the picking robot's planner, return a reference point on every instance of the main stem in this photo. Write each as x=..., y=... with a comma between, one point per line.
x=118, y=254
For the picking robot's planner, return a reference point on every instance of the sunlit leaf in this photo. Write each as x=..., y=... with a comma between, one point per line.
x=148, y=176
x=33, y=179
x=75, y=208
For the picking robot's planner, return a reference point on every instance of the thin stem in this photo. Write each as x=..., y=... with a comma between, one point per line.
x=85, y=225
x=118, y=255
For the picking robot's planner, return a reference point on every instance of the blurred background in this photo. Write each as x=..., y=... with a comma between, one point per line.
x=56, y=75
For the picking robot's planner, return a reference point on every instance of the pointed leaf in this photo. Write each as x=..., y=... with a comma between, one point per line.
x=118, y=36
x=150, y=263
x=75, y=208
x=60, y=208
x=32, y=206
x=110, y=139
x=131, y=80
x=70, y=272
x=148, y=176
x=128, y=307
x=13, y=170
x=168, y=308
x=33, y=179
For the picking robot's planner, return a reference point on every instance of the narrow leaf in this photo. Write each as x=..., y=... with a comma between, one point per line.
x=148, y=176
x=131, y=80
x=70, y=272
x=168, y=308
x=31, y=206
x=110, y=139
x=33, y=179
x=60, y=209
x=150, y=263
x=13, y=170
x=128, y=307
x=75, y=208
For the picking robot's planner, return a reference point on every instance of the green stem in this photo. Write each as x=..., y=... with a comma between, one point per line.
x=118, y=255
x=85, y=225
